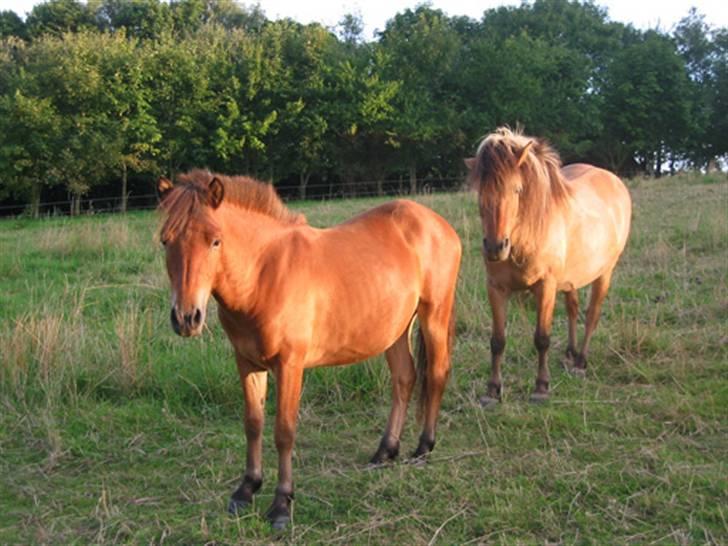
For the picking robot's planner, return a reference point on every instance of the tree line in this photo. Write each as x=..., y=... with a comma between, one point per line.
x=98, y=98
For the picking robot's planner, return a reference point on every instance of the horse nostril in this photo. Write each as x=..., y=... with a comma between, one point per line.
x=174, y=320
x=506, y=242
x=197, y=319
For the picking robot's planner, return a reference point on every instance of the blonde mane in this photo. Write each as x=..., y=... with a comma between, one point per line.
x=190, y=193
x=544, y=192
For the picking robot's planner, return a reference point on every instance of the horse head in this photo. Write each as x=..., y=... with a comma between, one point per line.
x=497, y=174
x=192, y=242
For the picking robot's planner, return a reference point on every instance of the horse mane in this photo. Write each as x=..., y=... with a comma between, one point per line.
x=543, y=192
x=190, y=192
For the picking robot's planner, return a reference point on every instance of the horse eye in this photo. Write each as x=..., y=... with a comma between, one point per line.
x=164, y=242
x=216, y=243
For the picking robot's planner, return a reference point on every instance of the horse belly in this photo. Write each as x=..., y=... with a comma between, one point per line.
x=596, y=241
x=365, y=325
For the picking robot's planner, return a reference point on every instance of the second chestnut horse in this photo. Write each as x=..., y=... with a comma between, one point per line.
x=547, y=228
x=291, y=297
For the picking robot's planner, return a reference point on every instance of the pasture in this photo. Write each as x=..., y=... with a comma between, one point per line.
x=114, y=430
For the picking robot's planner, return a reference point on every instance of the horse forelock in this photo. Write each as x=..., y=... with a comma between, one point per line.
x=178, y=207
x=543, y=190
x=188, y=197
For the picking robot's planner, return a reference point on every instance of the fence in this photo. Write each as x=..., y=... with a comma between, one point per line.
x=289, y=193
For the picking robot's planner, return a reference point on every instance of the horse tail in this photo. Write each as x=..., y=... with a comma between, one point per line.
x=421, y=366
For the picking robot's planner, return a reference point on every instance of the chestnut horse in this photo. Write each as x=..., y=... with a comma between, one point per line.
x=291, y=296
x=546, y=229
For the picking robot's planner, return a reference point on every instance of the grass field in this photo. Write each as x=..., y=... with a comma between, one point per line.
x=114, y=430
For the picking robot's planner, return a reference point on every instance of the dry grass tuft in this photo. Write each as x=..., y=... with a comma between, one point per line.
x=129, y=329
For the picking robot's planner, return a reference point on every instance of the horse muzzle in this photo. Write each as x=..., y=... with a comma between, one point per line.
x=497, y=250
x=187, y=324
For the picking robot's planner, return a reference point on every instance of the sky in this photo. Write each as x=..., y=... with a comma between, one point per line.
x=642, y=14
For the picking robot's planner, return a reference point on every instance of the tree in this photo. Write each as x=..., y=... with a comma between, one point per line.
x=300, y=136
x=58, y=16
x=647, y=103
x=705, y=52
x=67, y=70
x=717, y=133
x=12, y=25
x=29, y=132
x=132, y=128
x=421, y=47
x=178, y=90
x=144, y=19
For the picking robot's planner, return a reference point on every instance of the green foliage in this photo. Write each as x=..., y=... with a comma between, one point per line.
x=647, y=101
x=56, y=17
x=11, y=25
x=143, y=87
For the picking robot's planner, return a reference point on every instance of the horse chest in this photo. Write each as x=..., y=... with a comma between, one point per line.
x=248, y=338
x=511, y=276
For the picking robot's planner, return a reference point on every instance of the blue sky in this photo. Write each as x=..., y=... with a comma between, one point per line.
x=641, y=13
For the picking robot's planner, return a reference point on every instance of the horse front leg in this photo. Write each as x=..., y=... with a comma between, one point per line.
x=289, y=378
x=545, y=293
x=498, y=299
x=254, y=382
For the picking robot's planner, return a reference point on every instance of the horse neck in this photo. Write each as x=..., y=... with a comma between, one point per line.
x=247, y=239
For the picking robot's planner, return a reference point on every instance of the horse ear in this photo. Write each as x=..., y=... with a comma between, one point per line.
x=524, y=153
x=163, y=186
x=469, y=163
x=215, y=192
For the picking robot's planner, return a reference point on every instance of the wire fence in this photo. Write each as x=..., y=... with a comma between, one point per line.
x=290, y=193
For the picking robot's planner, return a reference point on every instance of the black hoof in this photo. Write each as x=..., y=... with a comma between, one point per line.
x=243, y=495
x=384, y=454
x=279, y=523
x=423, y=449
x=541, y=394
x=488, y=401
x=237, y=507
x=279, y=517
x=579, y=368
x=279, y=513
x=539, y=397
x=492, y=396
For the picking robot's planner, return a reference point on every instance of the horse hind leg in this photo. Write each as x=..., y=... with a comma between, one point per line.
x=599, y=289
x=436, y=337
x=402, y=369
x=571, y=298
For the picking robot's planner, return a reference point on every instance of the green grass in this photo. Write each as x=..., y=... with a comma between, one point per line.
x=113, y=430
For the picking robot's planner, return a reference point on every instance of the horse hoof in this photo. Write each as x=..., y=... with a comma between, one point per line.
x=488, y=402
x=539, y=397
x=376, y=464
x=417, y=460
x=280, y=522
x=237, y=507
x=578, y=372
x=384, y=455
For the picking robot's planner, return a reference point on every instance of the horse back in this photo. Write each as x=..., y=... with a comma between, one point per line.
x=349, y=291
